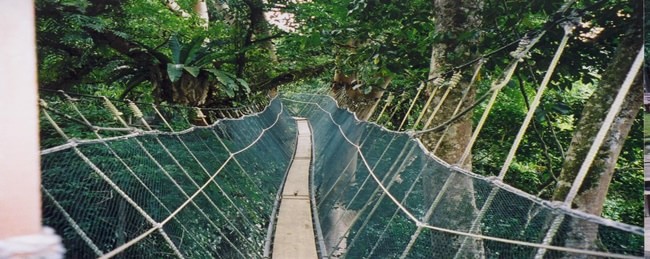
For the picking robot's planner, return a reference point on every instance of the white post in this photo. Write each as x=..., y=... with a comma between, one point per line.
x=21, y=233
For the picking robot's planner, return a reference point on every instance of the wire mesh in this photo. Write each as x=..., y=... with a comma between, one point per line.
x=210, y=191
x=204, y=192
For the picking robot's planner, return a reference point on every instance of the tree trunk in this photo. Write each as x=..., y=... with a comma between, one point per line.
x=593, y=191
x=189, y=90
x=453, y=17
x=224, y=10
x=258, y=29
x=201, y=9
x=172, y=5
x=348, y=97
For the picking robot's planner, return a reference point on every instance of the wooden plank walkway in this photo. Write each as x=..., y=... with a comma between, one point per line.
x=294, y=231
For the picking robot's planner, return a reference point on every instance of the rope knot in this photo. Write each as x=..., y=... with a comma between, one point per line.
x=199, y=113
x=453, y=82
x=522, y=51
x=438, y=81
x=42, y=103
x=136, y=111
x=109, y=105
x=573, y=21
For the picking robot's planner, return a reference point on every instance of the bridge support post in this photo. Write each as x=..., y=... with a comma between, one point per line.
x=21, y=233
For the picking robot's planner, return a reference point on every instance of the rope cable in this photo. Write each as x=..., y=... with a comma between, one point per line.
x=426, y=105
x=415, y=100
x=460, y=103
x=452, y=83
x=568, y=29
x=389, y=100
x=606, y=124
x=518, y=55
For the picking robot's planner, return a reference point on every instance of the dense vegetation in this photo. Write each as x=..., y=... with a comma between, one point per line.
x=146, y=51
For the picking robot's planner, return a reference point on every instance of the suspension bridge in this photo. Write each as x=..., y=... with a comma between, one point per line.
x=297, y=176
x=239, y=188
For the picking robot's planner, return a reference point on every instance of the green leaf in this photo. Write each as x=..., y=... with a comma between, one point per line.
x=366, y=90
x=189, y=52
x=175, y=46
x=230, y=92
x=194, y=71
x=174, y=71
x=222, y=77
x=244, y=84
x=561, y=108
x=226, y=80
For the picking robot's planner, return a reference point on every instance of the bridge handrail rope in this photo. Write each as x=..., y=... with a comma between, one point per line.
x=400, y=157
x=250, y=108
x=137, y=112
x=518, y=55
x=200, y=190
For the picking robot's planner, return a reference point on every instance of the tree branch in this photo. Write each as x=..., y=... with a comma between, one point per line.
x=292, y=76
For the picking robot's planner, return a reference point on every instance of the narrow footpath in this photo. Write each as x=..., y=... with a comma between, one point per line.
x=294, y=232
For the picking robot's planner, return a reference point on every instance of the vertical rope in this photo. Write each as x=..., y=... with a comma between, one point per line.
x=531, y=112
x=118, y=114
x=452, y=83
x=389, y=100
x=403, y=163
x=73, y=223
x=397, y=106
x=607, y=123
x=436, y=83
x=614, y=109
x=427, y=216
x=536, y=101
x=186, y=173
x=519, y=54
x=415, y=100
x=460, y=103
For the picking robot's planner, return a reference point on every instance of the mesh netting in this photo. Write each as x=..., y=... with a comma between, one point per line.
x=379, y=194
x=205, y=192
x=211, y=191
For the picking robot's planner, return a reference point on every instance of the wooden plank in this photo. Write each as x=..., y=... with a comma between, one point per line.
x=297, y=183
x=303, y=149
x=303, y=128
x=294, y=232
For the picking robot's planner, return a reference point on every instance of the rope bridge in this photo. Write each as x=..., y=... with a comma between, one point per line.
x=213, y=191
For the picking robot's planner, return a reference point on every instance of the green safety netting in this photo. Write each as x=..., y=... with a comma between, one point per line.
x=205, y=192
x=380, y=194
x=212, y=191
